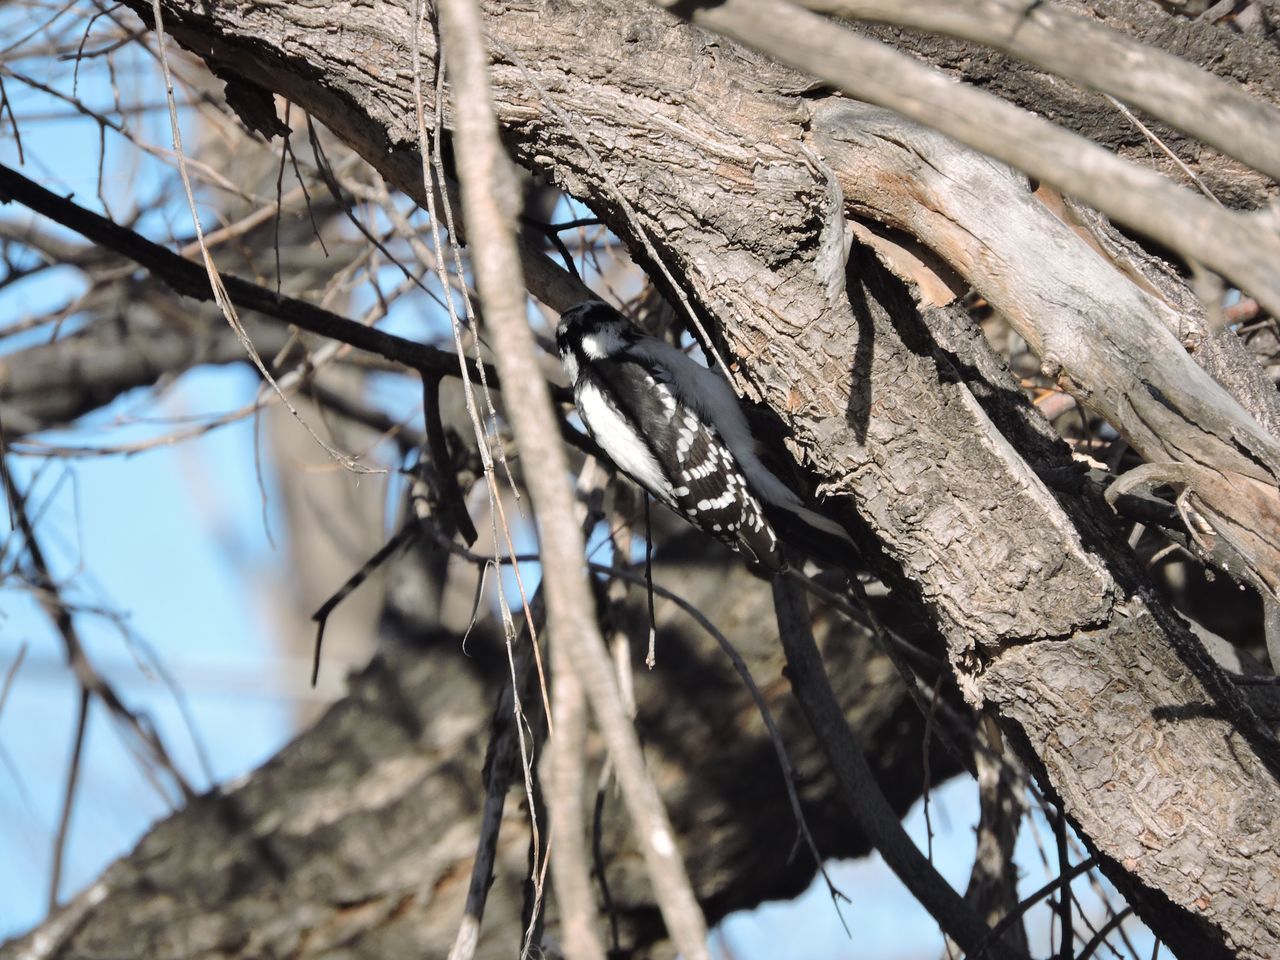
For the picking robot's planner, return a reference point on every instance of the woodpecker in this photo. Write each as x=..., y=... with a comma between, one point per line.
x=675, y=428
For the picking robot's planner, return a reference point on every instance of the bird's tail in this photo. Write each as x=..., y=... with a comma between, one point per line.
x=818, y=537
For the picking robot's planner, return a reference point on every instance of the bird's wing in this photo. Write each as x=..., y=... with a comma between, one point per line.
x=680, y=459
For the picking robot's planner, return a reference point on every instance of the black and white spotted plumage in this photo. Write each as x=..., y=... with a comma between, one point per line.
x=675, y=428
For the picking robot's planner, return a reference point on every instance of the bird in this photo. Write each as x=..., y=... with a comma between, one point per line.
x=675, y=428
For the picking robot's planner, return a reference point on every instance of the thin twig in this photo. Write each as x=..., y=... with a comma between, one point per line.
x=11, y=674
x=510, y=725
x=926, y=786
x=302, y=377
x=489, y=207
x=450, y=492
x=275, y=232
x=499, y=767
x=330, y=181
x=68, y=799
x=1067, y=941
x=597, y=860
x=1164, y=147
x=205, y=172
x=403, y=538
x=13, y=121
x=563, y=775
x=59, y=613
x=1029, y=901
x=220, y=295
x=651, y=658
x=1101, y=936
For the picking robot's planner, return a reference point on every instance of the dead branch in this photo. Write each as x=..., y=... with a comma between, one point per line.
x=1241, y=246
x=486, y=187
x=1217, y=111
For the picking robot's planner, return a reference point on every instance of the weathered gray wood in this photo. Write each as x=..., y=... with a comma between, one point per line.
x=1092, y=678
x=1219, y=112
x=1223, y=51
x=1240, y=246
x=1109, y=341
x=357, y=839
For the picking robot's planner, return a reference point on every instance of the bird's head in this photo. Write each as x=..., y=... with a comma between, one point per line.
x=592, y=330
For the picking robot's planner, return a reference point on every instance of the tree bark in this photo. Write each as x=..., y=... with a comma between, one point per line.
x=901, y=414
x=358, y=838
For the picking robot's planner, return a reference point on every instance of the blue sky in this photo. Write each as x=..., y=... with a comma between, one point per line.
x=125, y=536
x=165, y=546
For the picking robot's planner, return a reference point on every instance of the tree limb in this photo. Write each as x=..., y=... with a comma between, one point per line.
x=861, y=792
x=489, y=205
x=1241, y=246
x=1195, y=101
x=189, y=279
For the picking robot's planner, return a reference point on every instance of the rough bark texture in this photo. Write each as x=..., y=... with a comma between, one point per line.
x=1098, y=684
x=1250, y=60
x=357, y=840
x=1108, y=336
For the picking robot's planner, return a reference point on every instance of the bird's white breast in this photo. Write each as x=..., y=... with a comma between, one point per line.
x=620, y=441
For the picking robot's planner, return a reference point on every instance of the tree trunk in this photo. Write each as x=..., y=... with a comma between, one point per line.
x=358, y=838
x=895, y=407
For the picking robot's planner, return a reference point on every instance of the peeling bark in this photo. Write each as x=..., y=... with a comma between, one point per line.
x=901, y=414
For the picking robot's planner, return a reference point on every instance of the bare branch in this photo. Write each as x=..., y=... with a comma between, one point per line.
x=487, y=188
x=1195, y=101
x=861, y=792
x=1243, y=247
x=190, y=279
x=563, y=779
x=68, y=798
x=12, y=673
